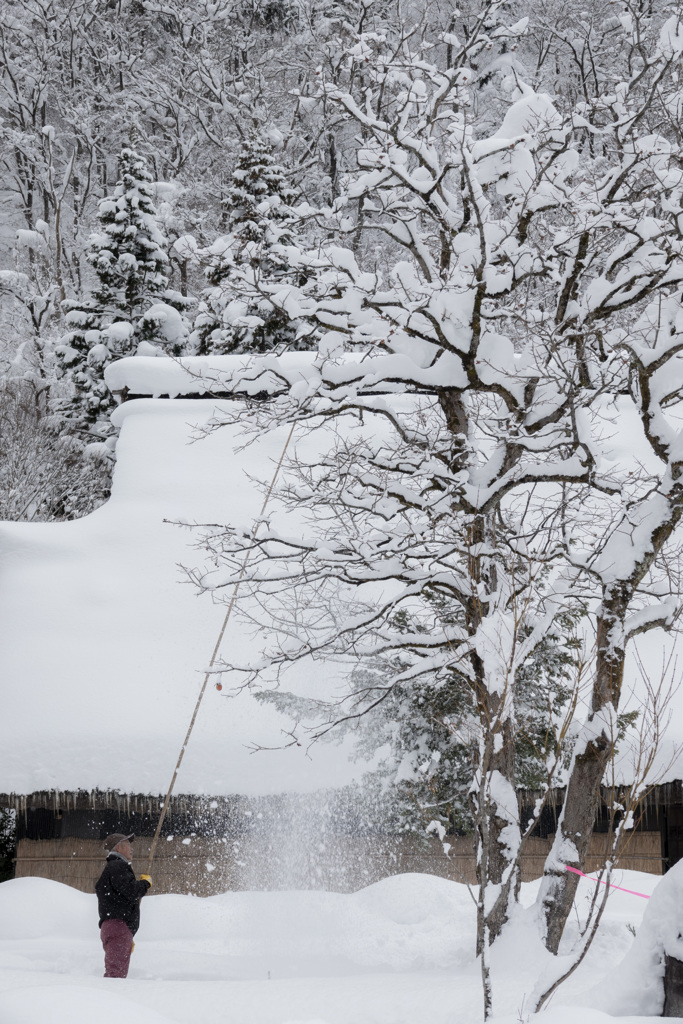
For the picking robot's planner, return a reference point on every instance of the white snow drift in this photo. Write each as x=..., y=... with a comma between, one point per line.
x=398, y=952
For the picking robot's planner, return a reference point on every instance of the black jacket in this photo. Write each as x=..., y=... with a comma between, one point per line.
x=118, y=893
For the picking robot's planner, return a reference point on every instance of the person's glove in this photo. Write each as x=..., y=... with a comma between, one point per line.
x=132, y=948
x=146, y=878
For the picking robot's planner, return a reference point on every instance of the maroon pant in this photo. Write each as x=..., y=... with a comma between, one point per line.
x=117, y=940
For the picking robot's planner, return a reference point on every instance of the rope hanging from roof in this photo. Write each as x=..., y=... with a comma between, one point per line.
x=214, y=655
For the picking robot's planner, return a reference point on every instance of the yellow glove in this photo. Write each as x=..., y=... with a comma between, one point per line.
x=146, y=878
x=132, y=948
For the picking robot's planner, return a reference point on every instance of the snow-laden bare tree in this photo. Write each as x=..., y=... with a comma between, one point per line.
x=44, y=475
x=517, y=317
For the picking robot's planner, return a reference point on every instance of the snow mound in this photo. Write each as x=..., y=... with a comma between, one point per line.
x=401, y=950
x=403, y=922
x=35, y=908
x=635, y=985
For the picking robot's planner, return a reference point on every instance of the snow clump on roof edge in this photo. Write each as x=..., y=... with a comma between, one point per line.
x=194, y=375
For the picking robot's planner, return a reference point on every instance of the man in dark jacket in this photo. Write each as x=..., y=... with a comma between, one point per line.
x=118, y=900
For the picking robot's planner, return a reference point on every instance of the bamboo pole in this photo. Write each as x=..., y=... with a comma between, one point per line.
x=214, y=655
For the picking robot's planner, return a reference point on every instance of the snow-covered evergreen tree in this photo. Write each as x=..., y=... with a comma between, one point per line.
x=129, y=254
x=235, y=314
x=131, y=301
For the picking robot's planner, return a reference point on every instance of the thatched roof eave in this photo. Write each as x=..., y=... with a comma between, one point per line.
x=111, y=800
x=56, y=800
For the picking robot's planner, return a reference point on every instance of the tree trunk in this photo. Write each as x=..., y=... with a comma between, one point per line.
x=494, y=800
x=495, y=866
x=582, y=800
x=673, y=987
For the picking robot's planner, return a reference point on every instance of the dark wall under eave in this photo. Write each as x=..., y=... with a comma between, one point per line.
x=661, y=813
x=42, y=823
x=672, y=835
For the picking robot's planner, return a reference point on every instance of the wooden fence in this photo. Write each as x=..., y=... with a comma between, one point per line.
x=204, y=866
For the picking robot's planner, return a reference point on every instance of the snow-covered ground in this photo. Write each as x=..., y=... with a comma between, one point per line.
x=398, y=952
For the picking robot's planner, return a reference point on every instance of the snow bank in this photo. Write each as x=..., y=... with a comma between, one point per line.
x=636, y=986
x=401, y=923
x=399, y=951
x=35, y=908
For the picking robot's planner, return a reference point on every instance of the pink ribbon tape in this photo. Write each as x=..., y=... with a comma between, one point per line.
x=629, y=891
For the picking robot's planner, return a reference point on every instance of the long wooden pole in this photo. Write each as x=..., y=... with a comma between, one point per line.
x=214, y=655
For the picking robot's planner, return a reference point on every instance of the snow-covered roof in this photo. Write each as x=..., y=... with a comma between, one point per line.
x=102, y=644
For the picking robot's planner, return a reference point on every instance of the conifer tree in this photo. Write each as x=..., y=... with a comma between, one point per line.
x=235, y=314
x=129, y=254
x=130, y=302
